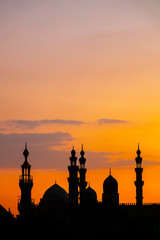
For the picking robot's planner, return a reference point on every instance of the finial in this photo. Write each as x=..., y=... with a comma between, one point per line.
x=73, y=152
x=26, y=153
x=138, y=151
x=110, y=171
x=82, y=152
x=89, y=184
x=55, y=182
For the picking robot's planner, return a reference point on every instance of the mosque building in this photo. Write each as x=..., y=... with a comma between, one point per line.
x=79, y=211
x=56, y=197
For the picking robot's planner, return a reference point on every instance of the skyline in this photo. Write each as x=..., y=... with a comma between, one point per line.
x=75, y=73
x=43, y=179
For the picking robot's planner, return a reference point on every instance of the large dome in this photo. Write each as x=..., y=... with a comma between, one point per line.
x=54, y=195
x=110, y=185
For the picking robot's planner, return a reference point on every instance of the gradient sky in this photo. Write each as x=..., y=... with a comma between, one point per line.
x=74, y=72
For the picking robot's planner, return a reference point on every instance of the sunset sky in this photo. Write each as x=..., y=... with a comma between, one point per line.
x=79, y=72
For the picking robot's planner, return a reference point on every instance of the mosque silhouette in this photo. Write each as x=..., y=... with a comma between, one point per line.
x=79, y=211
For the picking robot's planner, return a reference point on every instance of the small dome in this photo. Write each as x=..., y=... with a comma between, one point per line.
x=138, y=158
x=138, y=151
x=55, y=194
x=110, y=185
x=25, y=153
x=73, y=152
x=89, y=195
x=82, y=152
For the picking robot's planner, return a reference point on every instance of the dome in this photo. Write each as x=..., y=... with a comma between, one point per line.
x=138, y=158
x=54, y=194
x=89, y=195
x=110, y=185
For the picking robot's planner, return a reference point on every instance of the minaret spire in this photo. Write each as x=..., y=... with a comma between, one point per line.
x=25, y=205
x=82, y=173
x=73, y=178
x=25, y=154
x=139, y=183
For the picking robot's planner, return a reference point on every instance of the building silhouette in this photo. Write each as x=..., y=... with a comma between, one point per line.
x=139, y=183
x=89, y=197
x=25, y=204
x=73, y=179
x=82, y=175
x=110, y=194
x=78, y=213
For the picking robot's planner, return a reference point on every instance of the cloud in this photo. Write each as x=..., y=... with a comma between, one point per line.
x=40, y=147
x=101, y=160
x=43, y=153
x=31, y=124
x=111, y=121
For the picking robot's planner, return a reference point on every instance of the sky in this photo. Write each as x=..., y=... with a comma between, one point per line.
x=73, y=73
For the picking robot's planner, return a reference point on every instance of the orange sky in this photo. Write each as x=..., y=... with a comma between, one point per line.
x=79, y=72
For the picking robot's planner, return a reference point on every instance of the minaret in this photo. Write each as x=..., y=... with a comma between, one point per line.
x=139, y=183
x=82, y=173
x=73, y=178
x=25, y=204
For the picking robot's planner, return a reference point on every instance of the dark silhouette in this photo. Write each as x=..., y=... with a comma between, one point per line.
x=25, y=204
x=82, y=173
x=6, y=217
x=73, y=178
x=89, y=197
x=139, y=183
x=79, y=214
x=110, y=195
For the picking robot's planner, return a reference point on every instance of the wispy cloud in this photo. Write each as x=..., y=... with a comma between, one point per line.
x=12, y=124
x=111, y=121
x=40, y=147
x=44, y=154
x=48, y=151
x=101, y=160
x=31, y=124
